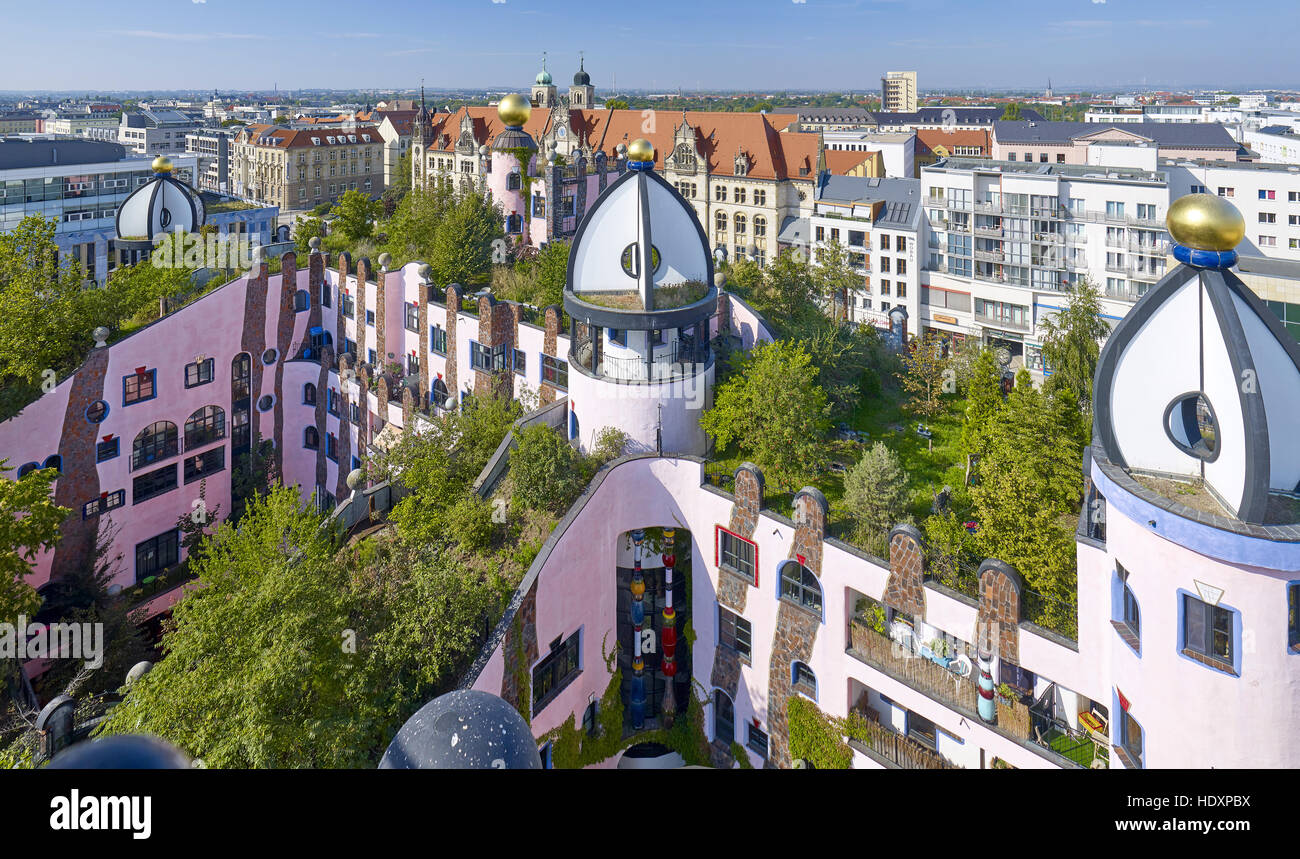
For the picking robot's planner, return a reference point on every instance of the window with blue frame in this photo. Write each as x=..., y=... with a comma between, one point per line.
x=107, y=449
x=301, y=301
x=413, y=318
x=139, y=386
x=350, y=347
x=514, y=224
x=555, y=371
x=371, y=357
x=104, y=503
x=1208, y=634
x=370, y=317
x=490, y=359
x=326, y=295
x=1293, y=616
x=438, y=339
x=331, y=447
x=800, y=586
x=519, y=361
x=356, y=463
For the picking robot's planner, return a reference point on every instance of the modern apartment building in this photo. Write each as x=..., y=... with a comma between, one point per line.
x=880, y=224
x=1267, y=195
x=1276, y=144
x=156, y=132
x=1006, y=238
x=212, y=146
x=94, y=125
x=297, y=169
x=80, y=184
x=898, y=92
x=897, y=148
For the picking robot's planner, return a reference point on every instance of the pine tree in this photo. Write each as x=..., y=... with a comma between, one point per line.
x=984, y=400
x=1072, y=344
x=875, y=492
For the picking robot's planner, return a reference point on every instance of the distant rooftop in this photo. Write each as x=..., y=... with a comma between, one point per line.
x=1067, y=171
x=932, y=115
x=17, y=152
x=1208, y=135
x=902, y=197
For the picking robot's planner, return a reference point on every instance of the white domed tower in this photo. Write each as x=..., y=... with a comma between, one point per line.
x=161, y=205
x=640, y=294
x=1195, y=470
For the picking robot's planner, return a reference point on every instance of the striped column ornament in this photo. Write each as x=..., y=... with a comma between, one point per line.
x=987, y=710
x=668, y=632
x=637, y=586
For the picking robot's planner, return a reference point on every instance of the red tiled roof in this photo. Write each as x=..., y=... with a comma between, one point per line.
x=928, y=138
x=294, y=138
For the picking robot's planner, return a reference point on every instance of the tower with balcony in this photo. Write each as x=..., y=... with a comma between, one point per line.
x=640, y=295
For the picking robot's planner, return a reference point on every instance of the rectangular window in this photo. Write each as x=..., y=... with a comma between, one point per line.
x=519, y=362
x=106, y=449
x=1267, y=195
x=737, y=554
x=734, y=632
x=555, y=372
x=413, y=318
x=1226, y=192
x=489, y=359
x=1130, y=738
x=153, y=484
x=198, y=373
x=104, y=503
x=349, y=306
x=332, y=447
x=438, y=339
x=922, y=730
x=156, y=554
x=1293, y=616
x=370, y=317
x=1207, y=632
x=332, y=401
x=208, y=462
x=555, y=671
x=139, y=387
x=756, y=742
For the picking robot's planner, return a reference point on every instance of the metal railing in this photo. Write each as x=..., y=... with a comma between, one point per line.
x=679, y=360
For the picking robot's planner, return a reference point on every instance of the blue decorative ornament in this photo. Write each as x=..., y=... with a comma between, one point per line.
x=1198, y=258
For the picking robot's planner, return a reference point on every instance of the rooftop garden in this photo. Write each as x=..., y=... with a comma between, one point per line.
x=665, y=297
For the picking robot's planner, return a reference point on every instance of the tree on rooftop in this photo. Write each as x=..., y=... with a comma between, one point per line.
x=875, y=493
x=776, y=412
x=546, y=471
x=1072, y=344
x=355, y=215
x=463, y=242
x=787, y=289
x=926, y=375
x=415, y=221
x=983, y=401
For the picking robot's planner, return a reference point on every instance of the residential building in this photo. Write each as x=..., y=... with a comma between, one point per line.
x=213, y=150
x=1006, y=238
x=879, y=223
x=156, y=132
x=935, y=144
x=17, y=122
x=1276, y=144
x=1266, y=194
x=296, y=169
x=897, y=148
x=1068, y=142
x=92, y=124
x=80, y=184
x=898, y=92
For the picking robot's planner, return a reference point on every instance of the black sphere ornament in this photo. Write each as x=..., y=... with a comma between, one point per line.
x=464, y=730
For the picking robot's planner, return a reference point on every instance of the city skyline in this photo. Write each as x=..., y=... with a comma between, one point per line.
x=826, y=45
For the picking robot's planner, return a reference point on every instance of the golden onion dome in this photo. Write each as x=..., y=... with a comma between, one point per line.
x=640, y=150
x=1205, y=222
x=162, y=164
x=514, y=110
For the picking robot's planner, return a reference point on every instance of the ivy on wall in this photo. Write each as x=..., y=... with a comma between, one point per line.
x=523, y=155
x=816, y=737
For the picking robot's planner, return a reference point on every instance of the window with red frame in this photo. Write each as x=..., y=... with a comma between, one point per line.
x=737, y=554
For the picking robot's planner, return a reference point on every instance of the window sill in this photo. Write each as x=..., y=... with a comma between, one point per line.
x=1211, y=662
x=539, y=706
x=1127, y=759
x=1127, y=634
x=816, y=615
x=748, y=580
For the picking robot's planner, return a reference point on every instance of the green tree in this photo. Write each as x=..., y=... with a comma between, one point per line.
x=983, y=401
x=834, y=277
x=552, y=267
x=787, y=291
x=1029, y=491
x=415, y=221
x=616, y=104
x=304, y=230
x=401, y=186
x=463, y=241
x=29, y=524
x=1072, y=344
x=356, y=214
x=926, y=376
x=744, y=278
x=547, y=472
x=1012, y=111
x=776, y=412
x=875, y=493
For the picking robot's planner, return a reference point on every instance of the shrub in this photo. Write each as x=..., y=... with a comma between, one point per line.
x=470, y=522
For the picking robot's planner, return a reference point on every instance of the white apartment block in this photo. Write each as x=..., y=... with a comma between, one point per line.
x=1267, y=195
x=879, y=223
x=1274, y=144
x=897, y=149
x=1005, y=239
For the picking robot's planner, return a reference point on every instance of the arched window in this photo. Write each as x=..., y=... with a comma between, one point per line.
x=720, y=220
x=311, y=438
x=154, y=443
x=26, y=469
x=760, y=225
x=309, y=394
x=740, y=223
x=800, y=586
x=301, y=300
x=803, y=680
x=54, y=461
x=724, y=718
x=205, y=425
x=513, y=182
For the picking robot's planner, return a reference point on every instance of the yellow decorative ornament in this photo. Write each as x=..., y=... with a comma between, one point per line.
x=514, y=110
x=638, y=588
x=162, y=164
x=640, y=150
x=1205, y=222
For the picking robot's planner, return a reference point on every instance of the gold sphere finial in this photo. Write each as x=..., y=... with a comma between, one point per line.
x=640, y=150
x=162, y=164
x=1205, y=222
x=514, y=110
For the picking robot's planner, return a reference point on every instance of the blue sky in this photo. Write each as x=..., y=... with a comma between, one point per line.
x=735, y=44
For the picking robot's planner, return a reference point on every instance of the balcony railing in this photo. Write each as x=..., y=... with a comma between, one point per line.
x=919, y=672
x=1130, y=293
x=895, y=751
x=1137, y=221
x=989, y=256
x=1160, y=248
x=679, y=360
x=992, y=232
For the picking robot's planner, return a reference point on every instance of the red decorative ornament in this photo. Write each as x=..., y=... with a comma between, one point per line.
x=668, y=635
x=670, y=669
x=801, y=559
x=1123, y=702
x=141, y=371
x=670, y=560
x=108, y=437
